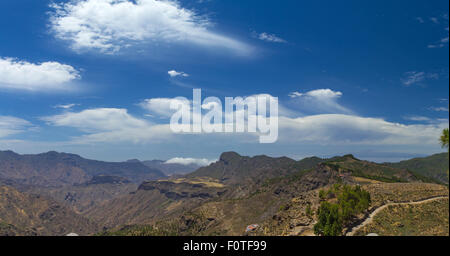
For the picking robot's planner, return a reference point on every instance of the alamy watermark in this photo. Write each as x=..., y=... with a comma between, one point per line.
x=253, y=114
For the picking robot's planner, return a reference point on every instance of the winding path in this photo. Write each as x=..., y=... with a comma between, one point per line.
x=369, y=219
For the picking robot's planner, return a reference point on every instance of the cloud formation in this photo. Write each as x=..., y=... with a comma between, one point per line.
x=111, y=125
x=417, y=77
x=161, y=106
x=111, y=25
x=23, y=75
x=12, y=125
x=270, y=38
x=108, y=125
x=338, y=129
x=66, y=106
x=413, y=77
x=174, y=73
x=319, y=101
x=189, y=161
x=443, y=42
x=439, y=109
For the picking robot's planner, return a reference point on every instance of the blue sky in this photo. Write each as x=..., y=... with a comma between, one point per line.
x=357, y=77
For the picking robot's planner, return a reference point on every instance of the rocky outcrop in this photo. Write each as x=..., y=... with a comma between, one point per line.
x=182, y=190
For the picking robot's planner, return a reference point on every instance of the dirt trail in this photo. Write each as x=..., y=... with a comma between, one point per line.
x=369, y=219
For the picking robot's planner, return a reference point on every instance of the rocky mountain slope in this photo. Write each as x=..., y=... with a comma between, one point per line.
x=278, y=194
x=252, y=190
x=26, y=214
x=171, y=169
x=435, y=166
x=58, y=169
x=233, y=168
x=83, y=197
x=236, y=186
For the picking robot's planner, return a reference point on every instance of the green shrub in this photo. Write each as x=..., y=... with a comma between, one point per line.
x=332, y=217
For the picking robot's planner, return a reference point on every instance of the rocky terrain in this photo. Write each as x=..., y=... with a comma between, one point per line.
x=54, y=169
x=435, y=166
x=170, y=169
x=34, y=215
x=280, y=196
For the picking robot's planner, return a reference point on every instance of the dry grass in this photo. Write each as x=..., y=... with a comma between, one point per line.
x=427, y=219
x=208, y=182
x=384, y=193
x=364, y=181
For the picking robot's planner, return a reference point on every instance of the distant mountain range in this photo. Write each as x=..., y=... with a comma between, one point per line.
x=168, y=169
x=435, y=166
x=240, y=189
x=233, y=168
x=54, y=193
x=58, y=169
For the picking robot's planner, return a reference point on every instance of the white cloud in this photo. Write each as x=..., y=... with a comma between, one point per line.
x=270, y=38
x=12, y=125
x=420, y=19
x=443, y=42
x=22, y=75
x=433, y=46
x=337, y=129
x=110, y=25
x=66, y=106
x=109, y=125
x=296, y=94
x=439, y=109
x=319, y=93
x=413, y=77
x=173, y=73
x=98, y=119
x=418, y=118
x=324, y=94
x=161, y=106
x=189, y=161
x=320, y=100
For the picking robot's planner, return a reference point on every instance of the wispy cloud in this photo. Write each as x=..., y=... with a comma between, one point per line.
x=439, y=109
x=418, y=118
x=338, y=129
x=319, y=101
x=417, y=77
x=22, y=75
x=174, y=73
x=269, y=38
x=434, y=46
x=161, y=106
x=413, y=77
x=66, y=106
x=109, y=125
x=117, y=126
x=12, y=125
x=111, y=25
x=443, y=42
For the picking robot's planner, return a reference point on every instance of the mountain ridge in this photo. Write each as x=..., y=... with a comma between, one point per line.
x=56, y=169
